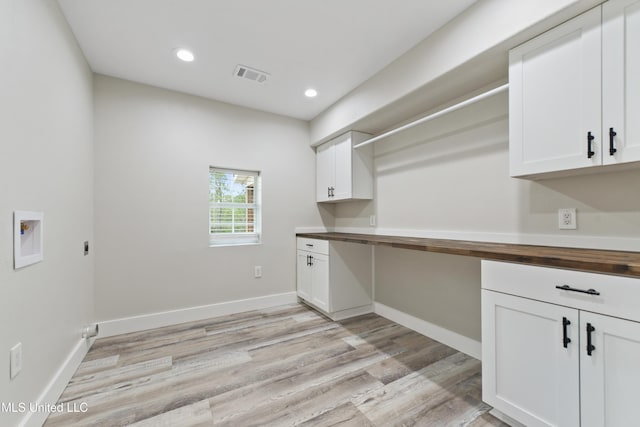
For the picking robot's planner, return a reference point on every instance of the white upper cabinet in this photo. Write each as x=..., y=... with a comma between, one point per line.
x=573, y=93
x=343, y=173
x=621, y=85
x=554, y=98
x=325, y=171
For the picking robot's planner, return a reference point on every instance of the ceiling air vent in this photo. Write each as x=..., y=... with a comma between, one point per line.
x=249, y=73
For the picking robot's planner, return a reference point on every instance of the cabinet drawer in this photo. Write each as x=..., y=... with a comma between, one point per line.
x=313, y=245
x=617, y=296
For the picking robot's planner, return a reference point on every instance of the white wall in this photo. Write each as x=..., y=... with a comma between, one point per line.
x=153, y=152
x=46, y=164
x=450, y=178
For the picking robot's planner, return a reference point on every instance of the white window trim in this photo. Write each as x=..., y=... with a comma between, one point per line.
x=237, y=239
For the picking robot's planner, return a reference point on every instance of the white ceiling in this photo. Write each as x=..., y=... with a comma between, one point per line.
x=330, y=45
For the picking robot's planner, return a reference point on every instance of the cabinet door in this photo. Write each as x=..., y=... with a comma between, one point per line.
x=611, y=374
x=527, y=372
x=621, y=80
x=555, y=98
x=343, y=168
x=303, y=278
x=320, y=282
x=325, y=171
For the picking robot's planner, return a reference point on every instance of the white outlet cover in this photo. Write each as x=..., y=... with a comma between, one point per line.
x=567, y=219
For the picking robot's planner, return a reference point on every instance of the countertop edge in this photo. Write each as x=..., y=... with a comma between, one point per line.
x=619, y=263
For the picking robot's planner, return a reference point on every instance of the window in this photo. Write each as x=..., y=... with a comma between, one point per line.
x=234, y=207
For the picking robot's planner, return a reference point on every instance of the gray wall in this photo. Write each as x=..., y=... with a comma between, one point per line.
x=46, y=164
x=450, y=177
x=153, y=152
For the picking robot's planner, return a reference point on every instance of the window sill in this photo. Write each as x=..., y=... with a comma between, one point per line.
x=226, y=244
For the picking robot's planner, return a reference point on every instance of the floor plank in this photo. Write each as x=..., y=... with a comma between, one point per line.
x=285, y=366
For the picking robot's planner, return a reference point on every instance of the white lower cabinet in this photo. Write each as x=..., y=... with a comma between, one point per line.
x=611, y=375
x=548, y=359
x=313, y=282
x=527, y=373
x=335, y=277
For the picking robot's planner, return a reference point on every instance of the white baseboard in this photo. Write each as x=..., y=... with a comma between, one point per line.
x=58, y=383
x=126, y=325
x=342, y=314
x=352, y=312
x=505, y=418
x=452, y=339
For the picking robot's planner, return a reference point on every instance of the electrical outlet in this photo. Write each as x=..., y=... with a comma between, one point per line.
x=15, y=360
x=372, y=220
x=257, y=271
x=567, y=219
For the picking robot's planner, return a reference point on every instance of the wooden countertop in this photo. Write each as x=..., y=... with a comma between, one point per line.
x=592, y=260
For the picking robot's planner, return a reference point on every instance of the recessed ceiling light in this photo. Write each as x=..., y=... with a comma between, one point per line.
x=185, y=55
x=310, y=93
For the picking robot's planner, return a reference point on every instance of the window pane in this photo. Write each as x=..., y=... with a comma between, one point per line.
x=250, y=220
x=233, y=198
x=221, y=220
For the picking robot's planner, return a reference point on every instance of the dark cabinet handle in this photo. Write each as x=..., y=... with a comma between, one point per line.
x=590, y=346
x=310, y=259
x=565, y=339
x=612, y=135
x=590, y=139
x=332, y=190
x=309, y=245
x=328, y=191
x=569, y=288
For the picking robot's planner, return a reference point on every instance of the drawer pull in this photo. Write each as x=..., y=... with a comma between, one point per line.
x=590, y=346
x=309, y=245
x=569, y=288
x=565, y=339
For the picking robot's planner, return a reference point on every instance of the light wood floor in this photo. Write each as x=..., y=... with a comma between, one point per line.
x=279, y=367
